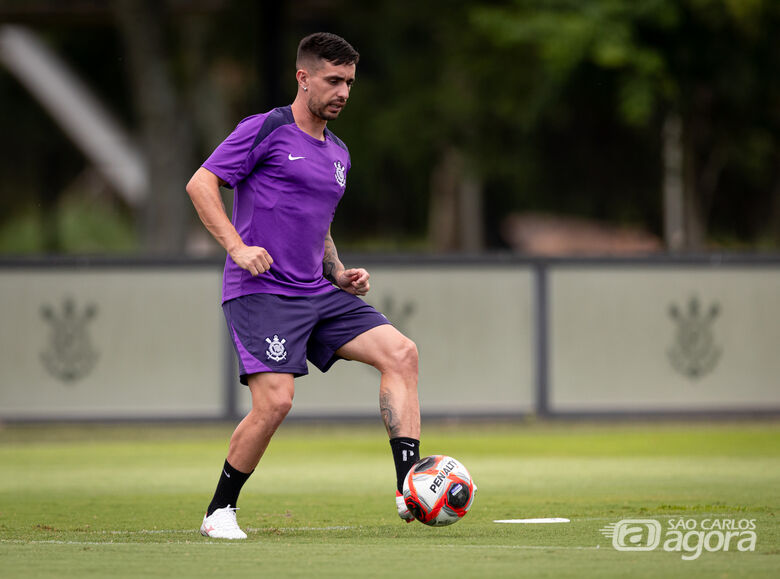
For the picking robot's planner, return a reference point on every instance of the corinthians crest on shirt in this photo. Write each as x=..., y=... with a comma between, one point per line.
x=341, y=174
x=276, y=350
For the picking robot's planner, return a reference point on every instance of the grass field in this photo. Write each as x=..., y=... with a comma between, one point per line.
x=121, y=501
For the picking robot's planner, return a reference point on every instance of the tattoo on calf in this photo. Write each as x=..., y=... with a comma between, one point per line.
x=389, y=416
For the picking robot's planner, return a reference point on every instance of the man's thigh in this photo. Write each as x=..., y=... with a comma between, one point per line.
x=270, y=333
x=374, y=346
x=343, y=317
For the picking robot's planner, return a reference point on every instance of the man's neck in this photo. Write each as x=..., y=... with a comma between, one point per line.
x=307, y=122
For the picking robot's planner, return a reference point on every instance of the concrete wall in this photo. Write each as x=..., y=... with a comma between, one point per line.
x=645, y=339
x=473, y=328
x=140, y=342
x=143, y=340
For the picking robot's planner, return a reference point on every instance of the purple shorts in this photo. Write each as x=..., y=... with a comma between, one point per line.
x=275, y=333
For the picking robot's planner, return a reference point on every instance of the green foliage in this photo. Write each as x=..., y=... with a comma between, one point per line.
x=557, y=105
x=713, y=62
x=80, y=226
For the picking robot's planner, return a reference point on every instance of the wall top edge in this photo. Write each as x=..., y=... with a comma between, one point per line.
x=491, y=259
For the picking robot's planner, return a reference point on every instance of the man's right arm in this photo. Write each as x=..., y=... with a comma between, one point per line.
x=203, y=189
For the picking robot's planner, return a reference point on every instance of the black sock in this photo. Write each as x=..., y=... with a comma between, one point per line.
x=406, y=451
x=228, y=487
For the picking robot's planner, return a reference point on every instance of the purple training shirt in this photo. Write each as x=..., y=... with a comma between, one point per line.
x=287, y=185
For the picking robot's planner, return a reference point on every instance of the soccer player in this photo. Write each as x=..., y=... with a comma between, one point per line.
x=286, y=295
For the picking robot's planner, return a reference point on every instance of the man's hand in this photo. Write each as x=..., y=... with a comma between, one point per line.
x=354, y=281
x=255, y=260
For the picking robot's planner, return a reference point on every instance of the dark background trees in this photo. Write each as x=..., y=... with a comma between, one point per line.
x=662, y=115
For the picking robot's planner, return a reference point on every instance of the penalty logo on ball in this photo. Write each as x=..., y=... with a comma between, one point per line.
x=439, y=490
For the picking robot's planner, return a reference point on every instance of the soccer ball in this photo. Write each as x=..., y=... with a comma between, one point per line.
x=438, y=490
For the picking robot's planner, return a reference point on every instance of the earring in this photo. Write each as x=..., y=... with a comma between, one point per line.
x=305, y=88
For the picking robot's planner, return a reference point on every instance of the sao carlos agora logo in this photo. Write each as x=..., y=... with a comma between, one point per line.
x=689, y=537
x=70, y=355
x=694, y=352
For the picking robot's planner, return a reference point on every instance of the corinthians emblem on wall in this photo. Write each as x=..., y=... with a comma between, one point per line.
x=694, y=352
x=69, y=355
x=398, y=314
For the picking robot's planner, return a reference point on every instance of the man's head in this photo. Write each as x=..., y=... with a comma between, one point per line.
x=325, y=46
x=326, y=70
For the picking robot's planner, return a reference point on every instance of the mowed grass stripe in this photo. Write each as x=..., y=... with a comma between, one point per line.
x=321, y=503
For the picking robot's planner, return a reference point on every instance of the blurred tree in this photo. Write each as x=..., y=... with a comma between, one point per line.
x=445, y=140
x=166, y=130
x=703, y=73
x=463, y=111
x=414, y=120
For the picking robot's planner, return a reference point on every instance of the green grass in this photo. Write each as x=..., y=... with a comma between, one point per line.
x=120, y=501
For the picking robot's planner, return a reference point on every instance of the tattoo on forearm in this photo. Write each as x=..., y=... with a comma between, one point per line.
x=329, y=260
x=389, y=416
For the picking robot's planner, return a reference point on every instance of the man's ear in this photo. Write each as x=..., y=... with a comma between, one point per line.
x=302, y=76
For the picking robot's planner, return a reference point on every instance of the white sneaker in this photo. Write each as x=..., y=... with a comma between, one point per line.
x=222, y=524
x=403, y=511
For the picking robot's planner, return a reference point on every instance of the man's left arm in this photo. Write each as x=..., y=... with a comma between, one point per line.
x=354, y=281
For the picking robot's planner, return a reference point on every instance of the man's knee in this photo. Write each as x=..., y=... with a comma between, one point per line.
x=404, y=356
x=281, y=403
x=272, y=393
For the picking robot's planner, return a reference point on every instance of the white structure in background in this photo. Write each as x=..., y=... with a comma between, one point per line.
x=82, y=117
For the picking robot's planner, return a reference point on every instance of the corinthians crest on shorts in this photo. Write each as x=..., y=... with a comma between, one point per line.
x=341, y=173
x=276, y=351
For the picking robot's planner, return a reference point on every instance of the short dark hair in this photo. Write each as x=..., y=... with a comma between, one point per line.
x=327, y=46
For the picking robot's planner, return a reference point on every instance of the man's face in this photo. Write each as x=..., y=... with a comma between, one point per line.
x=329, y=85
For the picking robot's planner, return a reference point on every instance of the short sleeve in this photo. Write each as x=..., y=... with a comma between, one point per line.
x=238, y=154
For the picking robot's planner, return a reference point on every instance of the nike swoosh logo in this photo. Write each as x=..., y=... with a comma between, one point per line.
x=226, y=473
x=291, y=158
x=407, y=443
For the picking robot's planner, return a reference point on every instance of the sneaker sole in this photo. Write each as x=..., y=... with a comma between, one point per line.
x=205, y=534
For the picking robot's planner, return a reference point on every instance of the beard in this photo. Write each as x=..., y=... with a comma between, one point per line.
x=324, y=110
